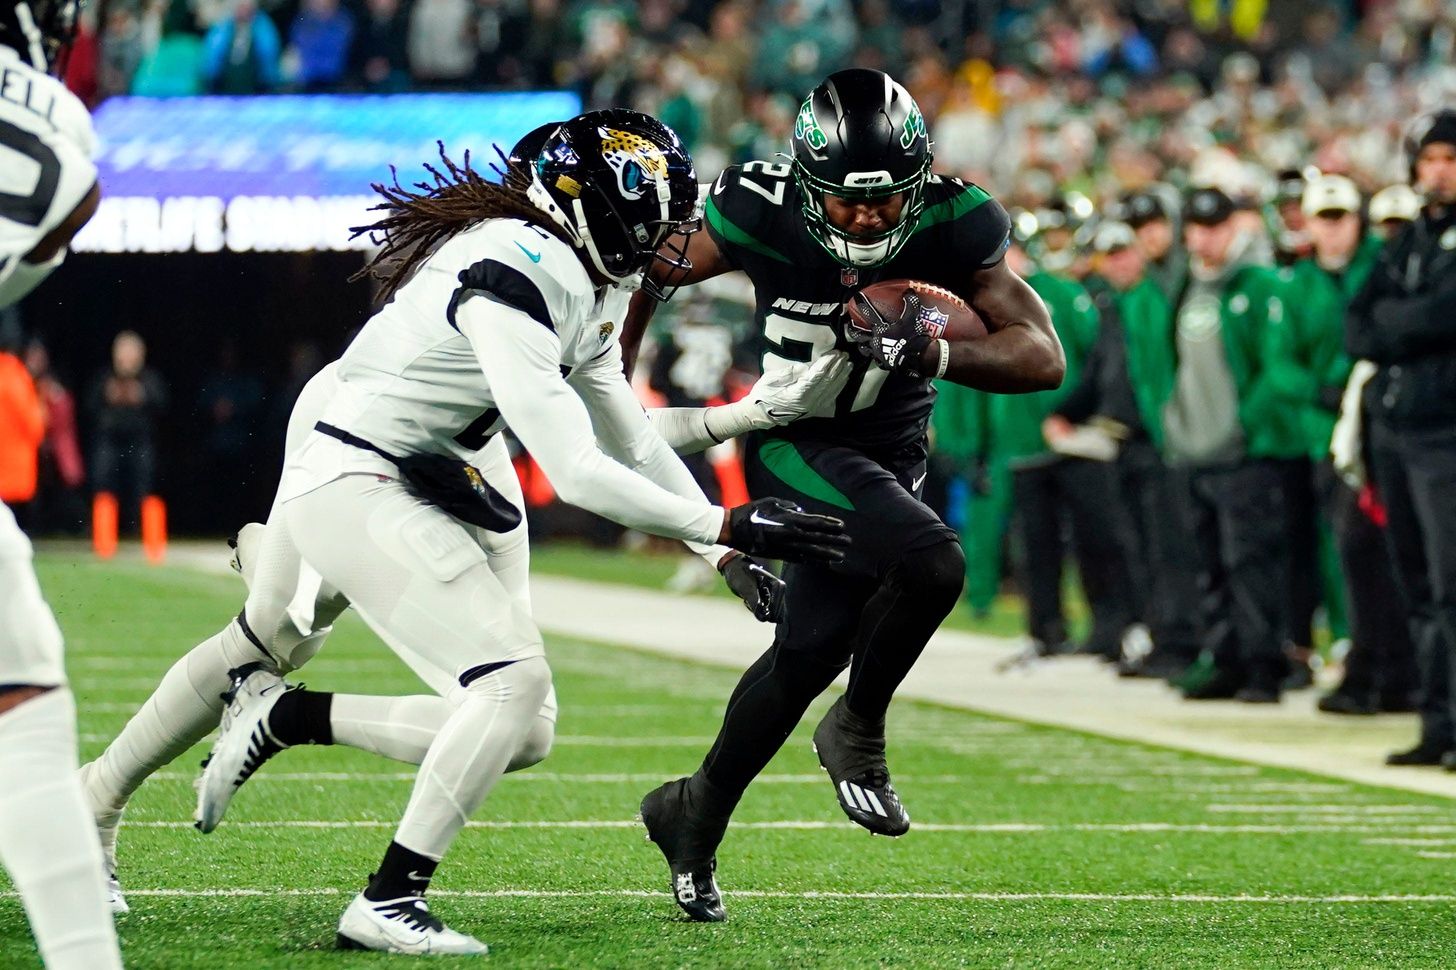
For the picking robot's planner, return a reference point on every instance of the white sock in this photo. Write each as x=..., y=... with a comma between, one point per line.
x=47, y=837
x=182, y=710
x=471, y=752
x=403, y=728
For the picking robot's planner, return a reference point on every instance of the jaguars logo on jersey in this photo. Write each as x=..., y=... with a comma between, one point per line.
x=636, y=161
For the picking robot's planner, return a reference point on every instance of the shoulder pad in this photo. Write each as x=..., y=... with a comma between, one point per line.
x=522, y=266
x=745, y=209
x=980, y=229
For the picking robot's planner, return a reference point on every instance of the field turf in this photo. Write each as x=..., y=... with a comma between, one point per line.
x=1032, y=846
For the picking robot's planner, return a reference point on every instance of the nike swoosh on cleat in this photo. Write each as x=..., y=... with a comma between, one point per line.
x=535, y=257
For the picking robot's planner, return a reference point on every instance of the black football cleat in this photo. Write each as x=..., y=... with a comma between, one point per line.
x=853, y=752
x=688, y=841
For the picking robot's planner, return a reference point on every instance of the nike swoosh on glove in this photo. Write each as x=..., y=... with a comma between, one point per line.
x=802, y=390
x=761, y=591
x=778, y=529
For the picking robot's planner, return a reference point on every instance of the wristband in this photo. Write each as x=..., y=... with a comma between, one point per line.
x=940, y=369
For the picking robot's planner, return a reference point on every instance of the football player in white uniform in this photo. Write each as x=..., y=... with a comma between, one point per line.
x=47, y=192
x=289, y=609
x=492, y=300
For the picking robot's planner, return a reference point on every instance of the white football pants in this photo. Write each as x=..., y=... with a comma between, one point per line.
x=47, y=841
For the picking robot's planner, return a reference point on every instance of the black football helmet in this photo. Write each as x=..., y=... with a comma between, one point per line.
x=38, y=30
x=860, y=135
x=526, y=151
x=620, y=183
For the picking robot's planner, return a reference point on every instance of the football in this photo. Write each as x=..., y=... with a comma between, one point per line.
x=945, y=314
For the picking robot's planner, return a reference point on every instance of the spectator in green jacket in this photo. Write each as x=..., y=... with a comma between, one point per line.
x=1308, y=372
x=1164, y=589
x=1055, y=494
x=1198, y=372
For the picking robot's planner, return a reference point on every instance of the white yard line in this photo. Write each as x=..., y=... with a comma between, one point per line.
x=653, y=894
x=1409, y=842
x=1347, y=809
x=1352, y=825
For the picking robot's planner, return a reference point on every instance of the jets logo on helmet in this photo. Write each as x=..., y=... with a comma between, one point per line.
x=621, y=184
x=914, y=127
x=806, y=127
x=860, y=136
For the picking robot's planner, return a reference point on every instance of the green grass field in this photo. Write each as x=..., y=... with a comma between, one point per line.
x=1033, y=847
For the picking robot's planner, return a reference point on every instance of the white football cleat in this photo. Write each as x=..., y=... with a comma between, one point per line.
x=243, y=742
x=114, y=897
x=403, y=925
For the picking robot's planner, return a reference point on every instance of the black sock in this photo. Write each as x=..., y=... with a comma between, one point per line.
x=302, y=717
x=401, y=873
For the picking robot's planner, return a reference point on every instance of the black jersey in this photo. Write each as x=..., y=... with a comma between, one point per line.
x=753, y=212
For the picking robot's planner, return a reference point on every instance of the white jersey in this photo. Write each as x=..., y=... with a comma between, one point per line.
x=46, y=146
x=497, y=329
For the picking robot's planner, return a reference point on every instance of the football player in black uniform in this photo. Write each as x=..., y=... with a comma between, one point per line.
x=856, y=203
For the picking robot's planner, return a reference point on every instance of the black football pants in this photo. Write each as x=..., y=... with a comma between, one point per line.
x=1162, y=561
x=1076, y=497
x=873, y=613
x=1381, y=661
x=1236, y=517
x=1415, y=472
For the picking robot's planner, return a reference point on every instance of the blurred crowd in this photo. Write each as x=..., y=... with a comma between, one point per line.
x=1024, y=96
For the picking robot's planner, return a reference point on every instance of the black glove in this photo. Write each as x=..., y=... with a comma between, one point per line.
x=898, y=344
x=776, y=529
x=761, y=591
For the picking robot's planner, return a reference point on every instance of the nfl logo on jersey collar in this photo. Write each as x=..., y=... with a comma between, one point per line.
x=849, y=276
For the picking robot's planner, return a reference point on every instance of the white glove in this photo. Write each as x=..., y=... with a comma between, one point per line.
x=1347, y=450
x=801, y=390
x=787, y=394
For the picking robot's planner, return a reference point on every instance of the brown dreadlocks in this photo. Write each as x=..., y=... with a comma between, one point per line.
x=416, y=222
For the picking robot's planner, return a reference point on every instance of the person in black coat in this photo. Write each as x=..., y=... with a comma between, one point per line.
x=1404, y=321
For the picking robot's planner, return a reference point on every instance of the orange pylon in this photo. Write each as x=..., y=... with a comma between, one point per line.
x=103, y=524
x=154, y=528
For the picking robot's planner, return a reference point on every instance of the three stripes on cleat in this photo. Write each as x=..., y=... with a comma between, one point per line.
x=862, y=798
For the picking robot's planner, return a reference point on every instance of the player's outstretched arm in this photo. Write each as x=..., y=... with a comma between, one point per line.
x=779, y=397
x=706, y=261
x=1022, y=352
x=625, y=434
x=521, y=360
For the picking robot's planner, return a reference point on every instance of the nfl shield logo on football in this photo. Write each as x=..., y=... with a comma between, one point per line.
x=849, y=276
x=932, y=321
